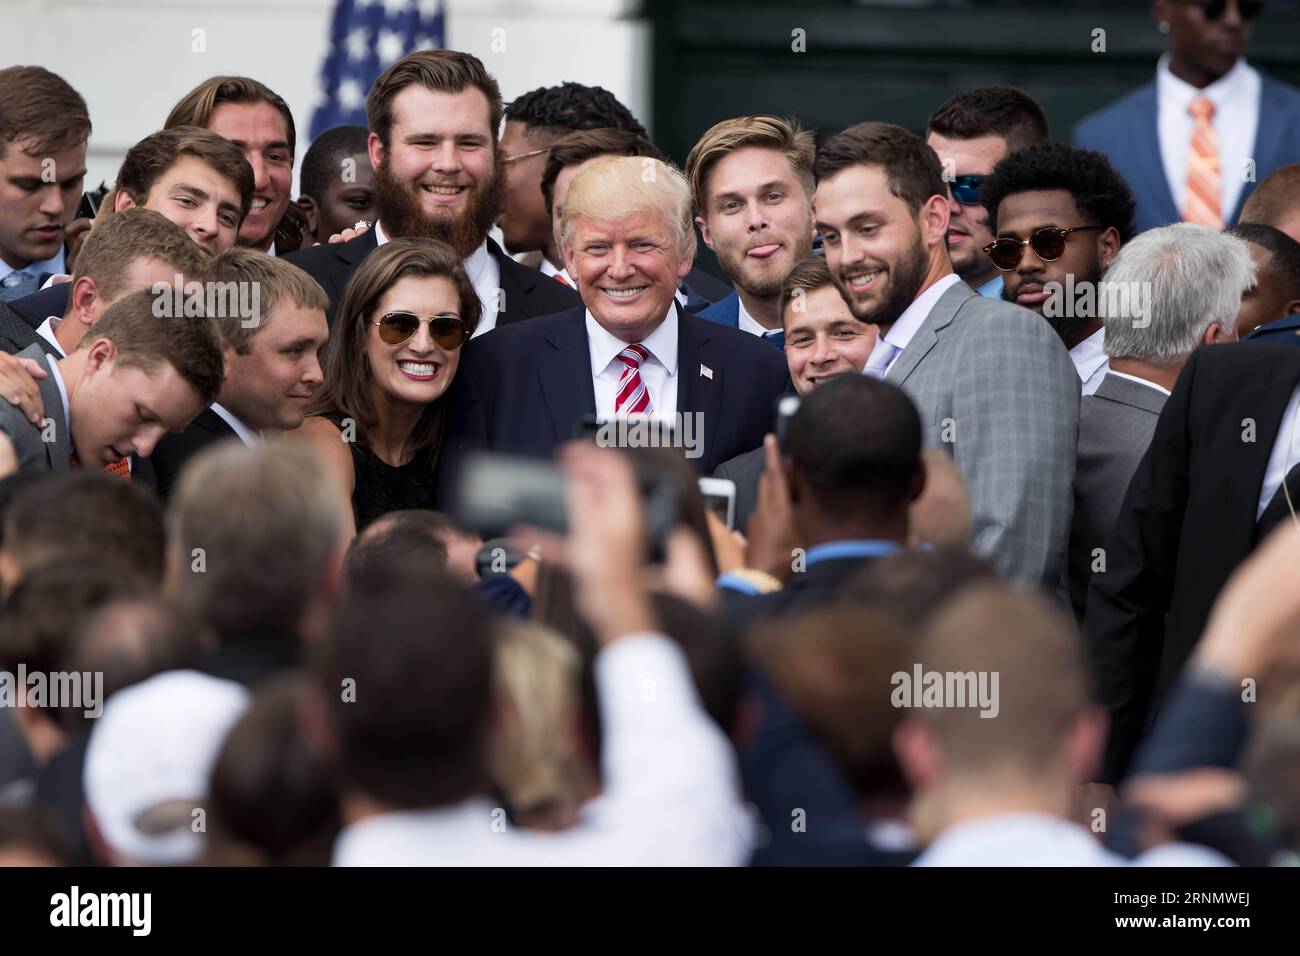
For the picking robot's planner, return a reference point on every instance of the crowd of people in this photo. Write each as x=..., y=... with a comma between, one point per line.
x=1002, y=571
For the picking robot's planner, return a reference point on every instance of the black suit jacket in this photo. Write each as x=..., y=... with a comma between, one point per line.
x=525, y=388
x=39, y=306
x=173, y=451
x=525, y=292
x=15, y=331
x=1187, y=522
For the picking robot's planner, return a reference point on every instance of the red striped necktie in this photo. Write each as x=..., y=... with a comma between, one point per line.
x=633, y=397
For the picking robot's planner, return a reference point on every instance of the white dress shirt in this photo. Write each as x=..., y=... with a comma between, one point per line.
x=546, y=269
x=1235, y=96
x=1141, y=381
x=1037, y=839
x=1283, y=457
x=242, y=431
x=63, y=397
x=658, y=371
x=46, y=331
x=901, y=332
x=484, y=275
x=54, y=265
x=746, y=322
x=671, y=793
x=1090, y=360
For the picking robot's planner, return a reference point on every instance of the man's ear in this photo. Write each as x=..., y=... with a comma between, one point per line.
x=704, y=231
x=82, y=299
x=375, y=150
x=310, y=213
x=918, y=757
x=122, y=200
x=1290, y=309
x=1108, y=244
x=917, y=485
x=934, y=221
x=101, y=353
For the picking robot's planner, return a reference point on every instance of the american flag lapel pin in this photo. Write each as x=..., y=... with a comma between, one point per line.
x=706, y=372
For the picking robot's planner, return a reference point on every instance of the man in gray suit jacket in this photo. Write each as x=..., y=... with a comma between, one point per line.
x=995, y=386
x=44, y=447
x=1189, y=281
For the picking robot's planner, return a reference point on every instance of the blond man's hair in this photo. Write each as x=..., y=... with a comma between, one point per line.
x=750, y=132
x=617, y=187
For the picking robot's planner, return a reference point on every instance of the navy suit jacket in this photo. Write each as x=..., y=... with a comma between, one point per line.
x=1282, y=332
x=39, y=306
x=724, y=311
x=525, y=388
x=1126, y=132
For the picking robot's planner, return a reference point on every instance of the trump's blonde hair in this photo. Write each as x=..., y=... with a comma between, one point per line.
x=618, y=187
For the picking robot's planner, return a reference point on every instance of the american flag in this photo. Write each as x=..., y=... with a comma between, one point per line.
x=366, y=37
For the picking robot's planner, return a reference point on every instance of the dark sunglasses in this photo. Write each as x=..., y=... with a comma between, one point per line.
x=966, y=190
x=1048, y=244
x=448, y=331
x=1213, y=9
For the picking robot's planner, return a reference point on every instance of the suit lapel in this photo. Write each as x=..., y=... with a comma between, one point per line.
x=927, y=336
x=698, y=391
x=1270, y=134
x=60, y=449
x=565, y=376
x=517, y=284
x=1264, y=401
x=1145, y=155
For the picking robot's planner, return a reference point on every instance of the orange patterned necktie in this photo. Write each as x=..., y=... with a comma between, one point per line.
x=118, y=469
x=1203, y=174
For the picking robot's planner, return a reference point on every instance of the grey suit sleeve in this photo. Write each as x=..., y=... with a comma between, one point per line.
x=1016, y=424
x=25, y=436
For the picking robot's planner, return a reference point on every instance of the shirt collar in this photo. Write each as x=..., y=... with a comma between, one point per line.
x=246, y=434
x=546, y=269
x=901, y=332
x=661, y=343
x=380, y=236
x=51, y=266
x=1179, y=94
x=1090, y=354
x=993, y=288
x=63, y=396
x=861, y=548
x=477, y=263
x=46, y=331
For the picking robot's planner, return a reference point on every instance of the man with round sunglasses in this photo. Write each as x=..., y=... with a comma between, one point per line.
x=1194, y=142
x=1060, y=215
x=971, y=132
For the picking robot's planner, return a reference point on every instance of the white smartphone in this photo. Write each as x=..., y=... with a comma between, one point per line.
x=720, y=498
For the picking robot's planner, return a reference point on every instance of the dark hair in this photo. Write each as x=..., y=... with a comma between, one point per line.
x=576, y=148
x=712, y=656
x=35, y=829
x=913, y=585
x=129, y=640
x=271, y=800
x=39, y=105
x=347, y=373
x=808, y=276
x=856, y=441
x=88, y=515
x=420, y=654
x=1284, y=250
x=325, y=154
x=196, y=107
x=442, y=71
x=1098, y=190
x=42, y=616
x=190, y=344
x=913, y=169
x=992, y=111
x=148, y=159
x=555, y=110
x=409, y=537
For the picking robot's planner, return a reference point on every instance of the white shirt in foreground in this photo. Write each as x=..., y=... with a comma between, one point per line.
x=1283, y=457
x=658, y=372
x=1037, y=839
x=671, y=790
x=1090, y=360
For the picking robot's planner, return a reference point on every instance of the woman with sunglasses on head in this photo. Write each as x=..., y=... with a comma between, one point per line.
x=1185, y=140
x=381, y=412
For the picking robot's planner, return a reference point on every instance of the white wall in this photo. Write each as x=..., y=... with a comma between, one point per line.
x=132, y=59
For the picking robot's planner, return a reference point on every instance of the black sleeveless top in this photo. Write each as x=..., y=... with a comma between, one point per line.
x=380, y=487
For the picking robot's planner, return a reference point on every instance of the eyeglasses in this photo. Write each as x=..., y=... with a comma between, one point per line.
x=448, y=331
x=966, y=190
x=507, y=160
x=1048, y=244
x=1213, y=9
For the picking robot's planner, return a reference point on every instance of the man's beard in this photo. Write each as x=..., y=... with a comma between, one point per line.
x=403, y=215
x=1068, y=323
x=762, y=287
x=905, y=278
